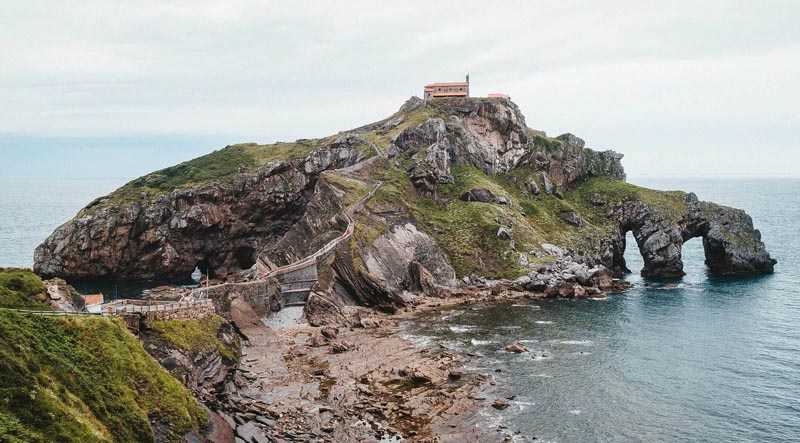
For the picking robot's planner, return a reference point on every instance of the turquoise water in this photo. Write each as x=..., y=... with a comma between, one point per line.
x=712, y=360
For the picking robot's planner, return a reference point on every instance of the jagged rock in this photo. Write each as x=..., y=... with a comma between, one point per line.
x=324, y=308
x=200, y=370
x=548, y=185
x=363, y=286
x=523, y=259
x=329, y=333
x=218, y=224
x=572, y=140
x=500, y=404
x=597, y=200
x=249, y=432
x=732, y=246
x=63, y=297
x=430, y=148
x=504, y=233
x=422, y=281
x=420, y=374
x=340, y=346
x=391, y=254
x=572, y=218
x=516, y=348
x=502, y=201
x=532, y=187
x=478, y=195
x=552, y=249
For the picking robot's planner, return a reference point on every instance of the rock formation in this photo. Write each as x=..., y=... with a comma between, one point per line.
x=732, y=246
x=218, y=226
x=467, y=189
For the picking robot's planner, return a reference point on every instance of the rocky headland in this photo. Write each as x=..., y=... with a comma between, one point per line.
x=446, y=201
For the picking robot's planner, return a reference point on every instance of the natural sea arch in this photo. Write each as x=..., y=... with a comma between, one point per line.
x=732, y=247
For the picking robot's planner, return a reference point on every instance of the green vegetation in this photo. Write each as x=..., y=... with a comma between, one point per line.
x=195, y=337
x=221, y=166
x=22, y=289
x=548, y=143
x=224, y=164
x=82, y=379
x=414, y=118
x=467, y=231
x=354, y=189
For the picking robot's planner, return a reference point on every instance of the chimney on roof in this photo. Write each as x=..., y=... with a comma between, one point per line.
x=467, y=78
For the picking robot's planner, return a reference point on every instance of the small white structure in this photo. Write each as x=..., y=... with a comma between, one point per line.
x=93, y=302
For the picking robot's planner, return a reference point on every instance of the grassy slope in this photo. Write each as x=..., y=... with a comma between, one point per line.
x=84, y=380
x=22, y=289
x=353, y=189
x=195, y=337
x=466, y=231
x=222, y=165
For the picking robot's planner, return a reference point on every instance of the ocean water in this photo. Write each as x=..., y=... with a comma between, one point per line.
x=712, y=360
x=32, y=208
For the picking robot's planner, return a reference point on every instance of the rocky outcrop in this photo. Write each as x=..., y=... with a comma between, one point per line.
x=733, y=247
x=478, y=195
x=429, y=146
x=389, y=256
x=63, y=297
x=203, y=370
x=219, y=226
x=321, y=222
x=477, y=150
x=360, y=284
x=564, y=163
x=423, y=282
x=491, y=135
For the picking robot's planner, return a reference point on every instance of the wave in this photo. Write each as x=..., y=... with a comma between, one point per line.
x=576, y=342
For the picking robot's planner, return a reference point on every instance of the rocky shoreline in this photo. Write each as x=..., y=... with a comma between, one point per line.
x=448, y=201
x=357, y=384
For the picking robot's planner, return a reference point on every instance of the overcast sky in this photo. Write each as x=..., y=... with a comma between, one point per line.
x=681, y=88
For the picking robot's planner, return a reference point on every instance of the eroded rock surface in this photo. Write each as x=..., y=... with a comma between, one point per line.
x=284, y=211
x=218, y=226
x=733, y=247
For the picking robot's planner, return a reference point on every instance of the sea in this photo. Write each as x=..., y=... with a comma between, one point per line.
x=698, y=359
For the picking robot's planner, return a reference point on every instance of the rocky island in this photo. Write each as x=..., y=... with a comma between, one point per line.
x=446, y=201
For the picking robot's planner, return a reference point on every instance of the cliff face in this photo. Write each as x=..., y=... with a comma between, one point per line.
x=219, y=225
x=732, y=246
x=467, y=190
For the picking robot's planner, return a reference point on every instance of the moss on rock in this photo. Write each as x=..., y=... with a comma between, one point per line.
x=195, y=337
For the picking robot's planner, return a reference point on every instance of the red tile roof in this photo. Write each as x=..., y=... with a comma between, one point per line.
x=432, y=85
x=93, y=299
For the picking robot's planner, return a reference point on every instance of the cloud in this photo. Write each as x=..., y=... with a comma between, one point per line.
x=262, y=71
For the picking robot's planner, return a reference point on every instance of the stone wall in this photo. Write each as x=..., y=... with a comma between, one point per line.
x=136, y=321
